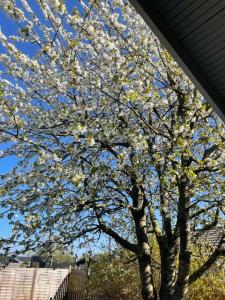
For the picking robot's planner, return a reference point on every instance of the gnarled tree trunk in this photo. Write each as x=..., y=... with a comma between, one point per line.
x=144, y=257
x=168, y=270
x=147, y=289
x=182, y=282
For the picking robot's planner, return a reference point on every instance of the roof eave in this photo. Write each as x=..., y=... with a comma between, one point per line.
x=179, y=53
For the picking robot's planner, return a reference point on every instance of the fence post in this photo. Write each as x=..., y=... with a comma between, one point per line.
x=13, y=290
x=33, y=284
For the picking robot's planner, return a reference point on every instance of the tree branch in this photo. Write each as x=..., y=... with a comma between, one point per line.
x=202, y=210
x=123, y=242
x=154, y=222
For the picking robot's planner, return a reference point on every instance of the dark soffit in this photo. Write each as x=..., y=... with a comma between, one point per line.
x=194, y=33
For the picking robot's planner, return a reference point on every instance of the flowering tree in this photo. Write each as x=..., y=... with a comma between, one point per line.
x=110, y=137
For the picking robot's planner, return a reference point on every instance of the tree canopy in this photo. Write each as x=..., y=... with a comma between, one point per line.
x=110, y=137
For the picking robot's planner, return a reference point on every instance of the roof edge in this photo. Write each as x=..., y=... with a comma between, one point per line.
x=180, y=54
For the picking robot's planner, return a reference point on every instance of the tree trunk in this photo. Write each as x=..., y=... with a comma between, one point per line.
x=168, y=271
x=144, y=256
x=147, y=289
x=168, y=245
x=184, y=232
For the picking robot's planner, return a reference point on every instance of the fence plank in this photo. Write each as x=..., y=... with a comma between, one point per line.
x=16, y=284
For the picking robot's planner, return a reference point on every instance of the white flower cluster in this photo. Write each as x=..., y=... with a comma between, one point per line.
x=87, y=107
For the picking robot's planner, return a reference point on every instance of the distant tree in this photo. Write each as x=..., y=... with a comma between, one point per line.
x=62, y=259
x=111, y=137
x=55, y=254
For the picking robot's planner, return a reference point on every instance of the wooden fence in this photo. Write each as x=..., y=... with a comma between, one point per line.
x=30, y=283
x=62, y=291
x=73, y=287
x=45, y=284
